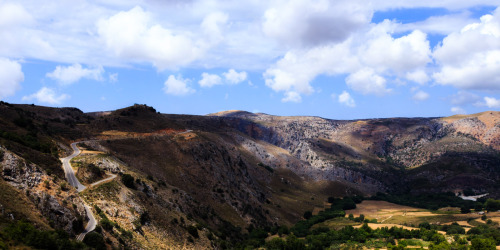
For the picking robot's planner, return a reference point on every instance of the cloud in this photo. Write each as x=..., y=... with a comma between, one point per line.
x=132, y=35
x=12, y=14
x=442, y=25
x=292, y=96
x=18, y=39
x=367, y=81
x=234, y=77
x=177, y=86
x=492, y=102
x=346, y=99
x=298, y=68
x=113, y=77
x=464, y=98
x=458, y=110
x=420, y=96
x=209, y=80
x=211, y=25
x=73, y=73
x=368, y=58
x=47, y=95
x=418, y=76
x=11, y=75
x=470, y=59
x=398, y=55
x=316, y=22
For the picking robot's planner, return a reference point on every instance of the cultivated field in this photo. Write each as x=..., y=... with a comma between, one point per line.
x=389, y=214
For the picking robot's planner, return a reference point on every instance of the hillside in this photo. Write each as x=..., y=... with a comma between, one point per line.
x=204, y=181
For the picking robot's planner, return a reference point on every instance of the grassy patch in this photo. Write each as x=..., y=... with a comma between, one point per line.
x=336, y=223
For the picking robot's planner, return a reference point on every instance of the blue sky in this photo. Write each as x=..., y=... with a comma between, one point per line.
x=342, y=59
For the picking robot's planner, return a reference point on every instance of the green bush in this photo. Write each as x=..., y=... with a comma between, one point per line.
x=193, y=231
x=483, y=244
x=307, y=215
x=106, y=224
x=492, y=205
x=128, y=181
x=95, y=240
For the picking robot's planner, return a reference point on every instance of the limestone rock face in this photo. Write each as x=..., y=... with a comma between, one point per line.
x=63, y=210
x=377, y=154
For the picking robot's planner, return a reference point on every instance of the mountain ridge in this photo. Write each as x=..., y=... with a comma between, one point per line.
x=226, y=173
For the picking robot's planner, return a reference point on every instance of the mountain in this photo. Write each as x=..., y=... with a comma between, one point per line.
x=203, y=181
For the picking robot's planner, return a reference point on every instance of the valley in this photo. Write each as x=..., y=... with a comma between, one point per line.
x=233, y=179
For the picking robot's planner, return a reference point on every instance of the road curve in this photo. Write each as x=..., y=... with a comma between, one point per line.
x=73, y=181
x=68, y=170
x=90, y=226
x=104, y=180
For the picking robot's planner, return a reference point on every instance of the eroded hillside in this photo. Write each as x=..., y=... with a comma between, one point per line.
x=180, y=181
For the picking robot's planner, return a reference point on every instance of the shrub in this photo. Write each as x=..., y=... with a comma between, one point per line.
x=307, y=215
x=128, y=181
x=106, y=224
x=483, y=244
x=95, y=240
x=193, y=231
x=492, y=205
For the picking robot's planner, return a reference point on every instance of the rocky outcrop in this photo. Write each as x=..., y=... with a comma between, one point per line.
x=372, y=154
x=62, y=209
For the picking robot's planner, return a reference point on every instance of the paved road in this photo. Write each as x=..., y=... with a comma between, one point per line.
x=104, y=180
x=73, y=181
x=68, y=170
x=90, y=226
x=185, y=132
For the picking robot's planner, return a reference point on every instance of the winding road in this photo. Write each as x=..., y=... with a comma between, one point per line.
x=68, y=170
x=73, y=181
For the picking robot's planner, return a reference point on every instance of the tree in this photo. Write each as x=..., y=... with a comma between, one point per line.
x=483, y=244
x=465, y=210
x=307, y=215
x=193, y=231
x=128, y=181
x=492, y=205
x=94, y=240
x=275, y=244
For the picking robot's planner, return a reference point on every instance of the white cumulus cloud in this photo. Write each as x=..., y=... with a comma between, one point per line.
x=368, y=58
x=470, y=59
x=421, y=96
x=234, y=77
x=399, y=55
x=492, y=102
x=134, y=36
x=47, y=95
x=292, y=96
x=73, y=73
x=209, y=80
x=11, y=76
x=314, y=22
x=177, y=86
x=458, y=110
x=298, y=68
x=346, y=99
x=212, y=25
x=367, y=81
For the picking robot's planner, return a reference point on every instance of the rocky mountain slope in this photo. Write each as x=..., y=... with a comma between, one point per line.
x=419, y=154
x=203, y=181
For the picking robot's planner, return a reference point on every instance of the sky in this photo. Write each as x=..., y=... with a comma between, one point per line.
x=342, y=59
